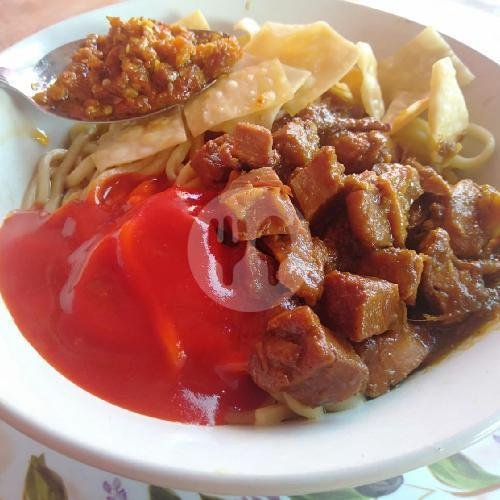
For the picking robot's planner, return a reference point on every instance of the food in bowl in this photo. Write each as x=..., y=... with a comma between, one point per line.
x=279, y=246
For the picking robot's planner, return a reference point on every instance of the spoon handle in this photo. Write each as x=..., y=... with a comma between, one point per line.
x=4, y=82
x=18, y=80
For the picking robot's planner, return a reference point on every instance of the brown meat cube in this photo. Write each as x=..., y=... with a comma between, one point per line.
x=451, y=287
x=325, y=118
x=316, y=185
x=391, y=357
x=302, y=358
x=343, y=249
x=359, y=151
x=468, y=212
x=483, y=266
x=397, y=265
x=301, y=262
x=253, y=281
x=400, y=186
x=489, y=211
x=368, y=217
x=359, y=307
x=462, y=219
x=253, y=145
x=296, y=142
x=214, y=161
x=331, y=116
x=430, y=180
x=424, y=215
x=257, y=204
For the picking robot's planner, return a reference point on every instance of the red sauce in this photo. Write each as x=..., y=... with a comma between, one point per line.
x=103, y=290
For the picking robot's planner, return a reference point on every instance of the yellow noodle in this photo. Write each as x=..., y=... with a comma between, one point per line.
x=312, y=413
x=82, y=171
x=70, y=195
x=174, y=163
x=193, y=184
x=483, y=136
x=138, y=165
x=30, y=194
x=450, y=175
x=100, y=177
x=347, y=404
x=185, y=176
x=88, y=149
x=65, y=167
x=157, y=164
x=272, y=414
x=196, y=143
x=79, y=128
x=44, y=169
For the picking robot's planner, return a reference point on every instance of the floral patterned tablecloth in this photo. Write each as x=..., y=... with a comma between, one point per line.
x=30, y=471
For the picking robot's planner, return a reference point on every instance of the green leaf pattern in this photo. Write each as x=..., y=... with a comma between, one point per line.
x=158, y=493
x=459, y=475
x=42, y=483
x=345, y=494
x=463, y=474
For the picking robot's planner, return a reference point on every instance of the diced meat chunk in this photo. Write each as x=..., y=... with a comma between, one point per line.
x=257, y=204
x=400, y=186
x=430, y=180
x=391, y=357
x=302, y=358
x=301, y=262
x=359, y=151
x=253, y=145
x=488, y=206
x=452, y=288
x=468, y=212
x=378, y=203
x=404, y=179
x=214, y=161
x=397, y=265
x=462, y=219
x=368, y=217
x=325, y=118
x=343, y=250
x=253, y=281
x=359, y=307
x=296, y=142
x=360, y=141
x=316, y=185
x=489, y=211
x=328, y=117
x=424, y=216
x=484, y=266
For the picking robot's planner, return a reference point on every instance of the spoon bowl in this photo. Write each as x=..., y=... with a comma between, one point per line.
x=30, y=80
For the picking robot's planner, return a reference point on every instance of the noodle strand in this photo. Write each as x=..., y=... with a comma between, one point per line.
x=483, y=136
x=44, y=169
x=56, y=191
x=82, y=171
x=174, y=163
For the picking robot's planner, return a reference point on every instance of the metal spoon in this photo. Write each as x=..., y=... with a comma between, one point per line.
x=33, y=79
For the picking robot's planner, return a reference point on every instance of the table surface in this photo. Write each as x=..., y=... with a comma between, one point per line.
x=474, y=473
x=42, y=13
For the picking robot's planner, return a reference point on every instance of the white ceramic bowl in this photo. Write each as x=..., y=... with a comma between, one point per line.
x=433, y=414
